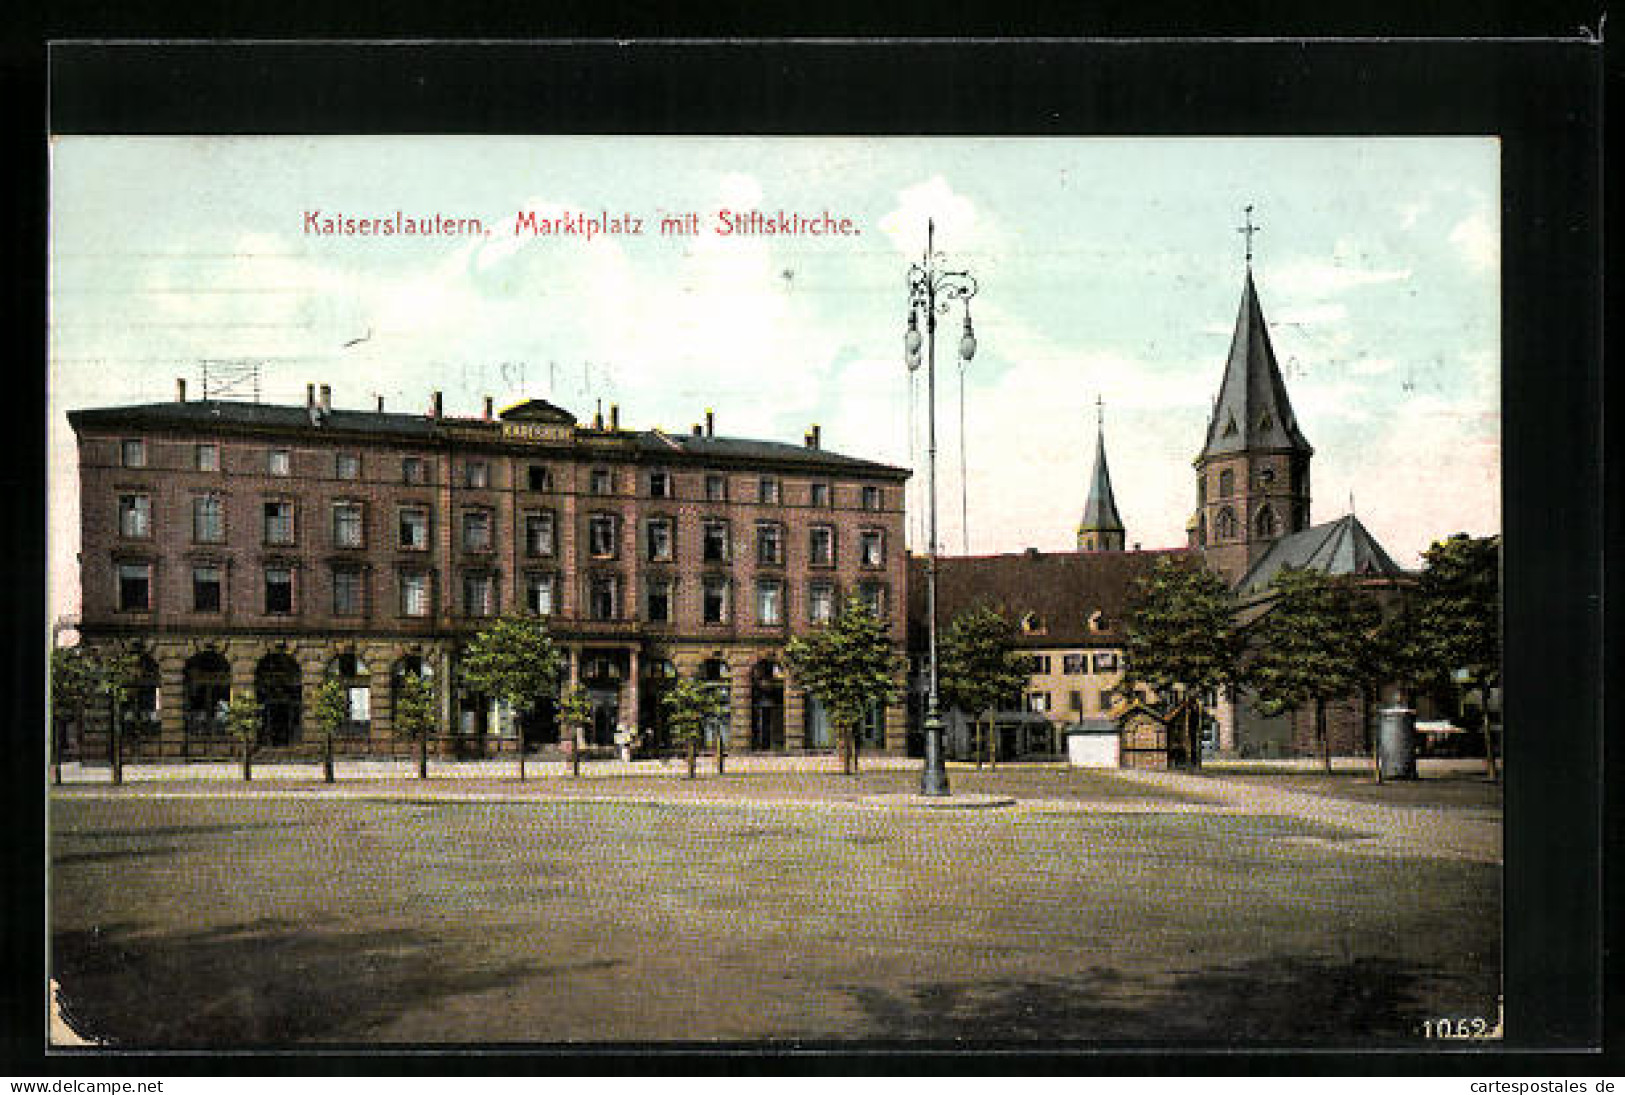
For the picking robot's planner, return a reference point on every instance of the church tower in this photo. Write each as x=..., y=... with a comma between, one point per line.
x=1101, y=528
x=1252, y=477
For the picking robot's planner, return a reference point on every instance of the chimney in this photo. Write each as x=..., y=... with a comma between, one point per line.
x=435, y=405
x=380, y=404
x=710, y=423
x=813, y=437
x=180, y=389
x=310, y=395
x=614, y=416
x=488, y=408
x=699, y=431
x=327, y=398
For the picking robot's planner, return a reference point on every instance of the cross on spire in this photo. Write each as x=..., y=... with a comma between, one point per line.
x=1247, y=230
x=1100, y=412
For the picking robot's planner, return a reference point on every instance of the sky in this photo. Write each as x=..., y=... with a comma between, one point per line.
x=1107, y=269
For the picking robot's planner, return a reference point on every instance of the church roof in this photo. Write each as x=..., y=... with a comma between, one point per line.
x=1343, y=546
x=1252, y=411
x=1100, y=511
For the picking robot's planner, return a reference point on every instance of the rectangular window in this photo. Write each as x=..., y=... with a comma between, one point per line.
x=134, y=582
x=660, y=484
x=539, y=594
x=871, y=498
x=414, y=529
x=821, y=602
x=714, y=601
x=716, y=488
x=770, y=543
x=714, y=548
x=1075, y=700
x=133, y=454
x=347, y=465
x=1075, y=663
x=601, y=535
x=134, y=515
x=601, y=482
x=414, y=594
x=208, y=522
x=412, y=470
x=538, y=535
x=279, y=522
x=821, y=546
x=476, y=475
x=479, y=594
x=206, y=457
x=820, y=494
x=1105, y=699
x=767, y=490
x=770, y=603
x=872, y=547
x=1038, y=701
x=278, y=591
x=278, y=462
x=476, y=530
x=1106, y=662
x=347, y=524
x=538, y=478
x=603, y=597
x=657, y=600
x=346, y=592
x=658, y=540
x=206, y=589
x=874, y=595
x=1038, y=663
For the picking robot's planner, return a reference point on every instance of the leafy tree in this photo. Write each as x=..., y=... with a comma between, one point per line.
x=851, y=667
x=978, y=670
x=244, y=718
x=575, y=714
x=1313, y=645
x=415, y=715
x=1459, y=616
x=332, y=707
x=1181, y=637
x=689, y=705
x=514, y=660
x=74, y=685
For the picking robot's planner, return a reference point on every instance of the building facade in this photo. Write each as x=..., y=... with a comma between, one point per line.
x=245, y=546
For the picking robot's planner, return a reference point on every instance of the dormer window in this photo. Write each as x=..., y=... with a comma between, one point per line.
x=1032, y=624
x=1230, y=426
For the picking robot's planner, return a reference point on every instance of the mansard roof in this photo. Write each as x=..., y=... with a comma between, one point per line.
x=1057, y=592
x=1343, y=546
x=225, y=416
x=1252, y=411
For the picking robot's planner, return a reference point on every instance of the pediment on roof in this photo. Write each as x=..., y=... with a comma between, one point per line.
x=537, y=410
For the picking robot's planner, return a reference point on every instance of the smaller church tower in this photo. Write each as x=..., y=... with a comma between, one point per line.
x=1101, y=528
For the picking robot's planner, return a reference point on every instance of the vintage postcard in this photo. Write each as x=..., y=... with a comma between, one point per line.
x=783, y=591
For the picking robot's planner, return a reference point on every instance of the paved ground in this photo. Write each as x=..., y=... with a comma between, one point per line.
x=786, y=907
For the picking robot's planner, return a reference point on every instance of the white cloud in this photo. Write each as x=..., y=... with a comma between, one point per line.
x=1477, y=239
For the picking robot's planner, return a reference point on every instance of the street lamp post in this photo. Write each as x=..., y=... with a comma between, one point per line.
x=931, y=292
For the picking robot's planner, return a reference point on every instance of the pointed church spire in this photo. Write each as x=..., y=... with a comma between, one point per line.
x=1101, y=528
x=1252, y=411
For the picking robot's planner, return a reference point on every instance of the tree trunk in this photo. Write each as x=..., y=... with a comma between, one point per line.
x=844, y=736
x=693, y=755
x=1320, y=733
x=1374, y=730
x=423, y=754
x=521, y=733
x=115, y=743
x=992, y=743
x=978, y=742
x=580, y=739
x=327, y=757
x=56, y=750
x=1195, y=720
x=1489, y=739
x=722, y=749
x=248, y=759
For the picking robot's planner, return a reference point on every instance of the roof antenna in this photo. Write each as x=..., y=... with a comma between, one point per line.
x=1247, y=230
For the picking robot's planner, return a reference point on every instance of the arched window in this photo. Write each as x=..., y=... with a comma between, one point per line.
x=1201, y=531
x=1226, y=524
x=1265, y=523
x=1227, y=483
x=714, y=673
x=350, y=671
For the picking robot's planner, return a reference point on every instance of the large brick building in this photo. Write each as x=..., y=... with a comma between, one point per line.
x=247, y=546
